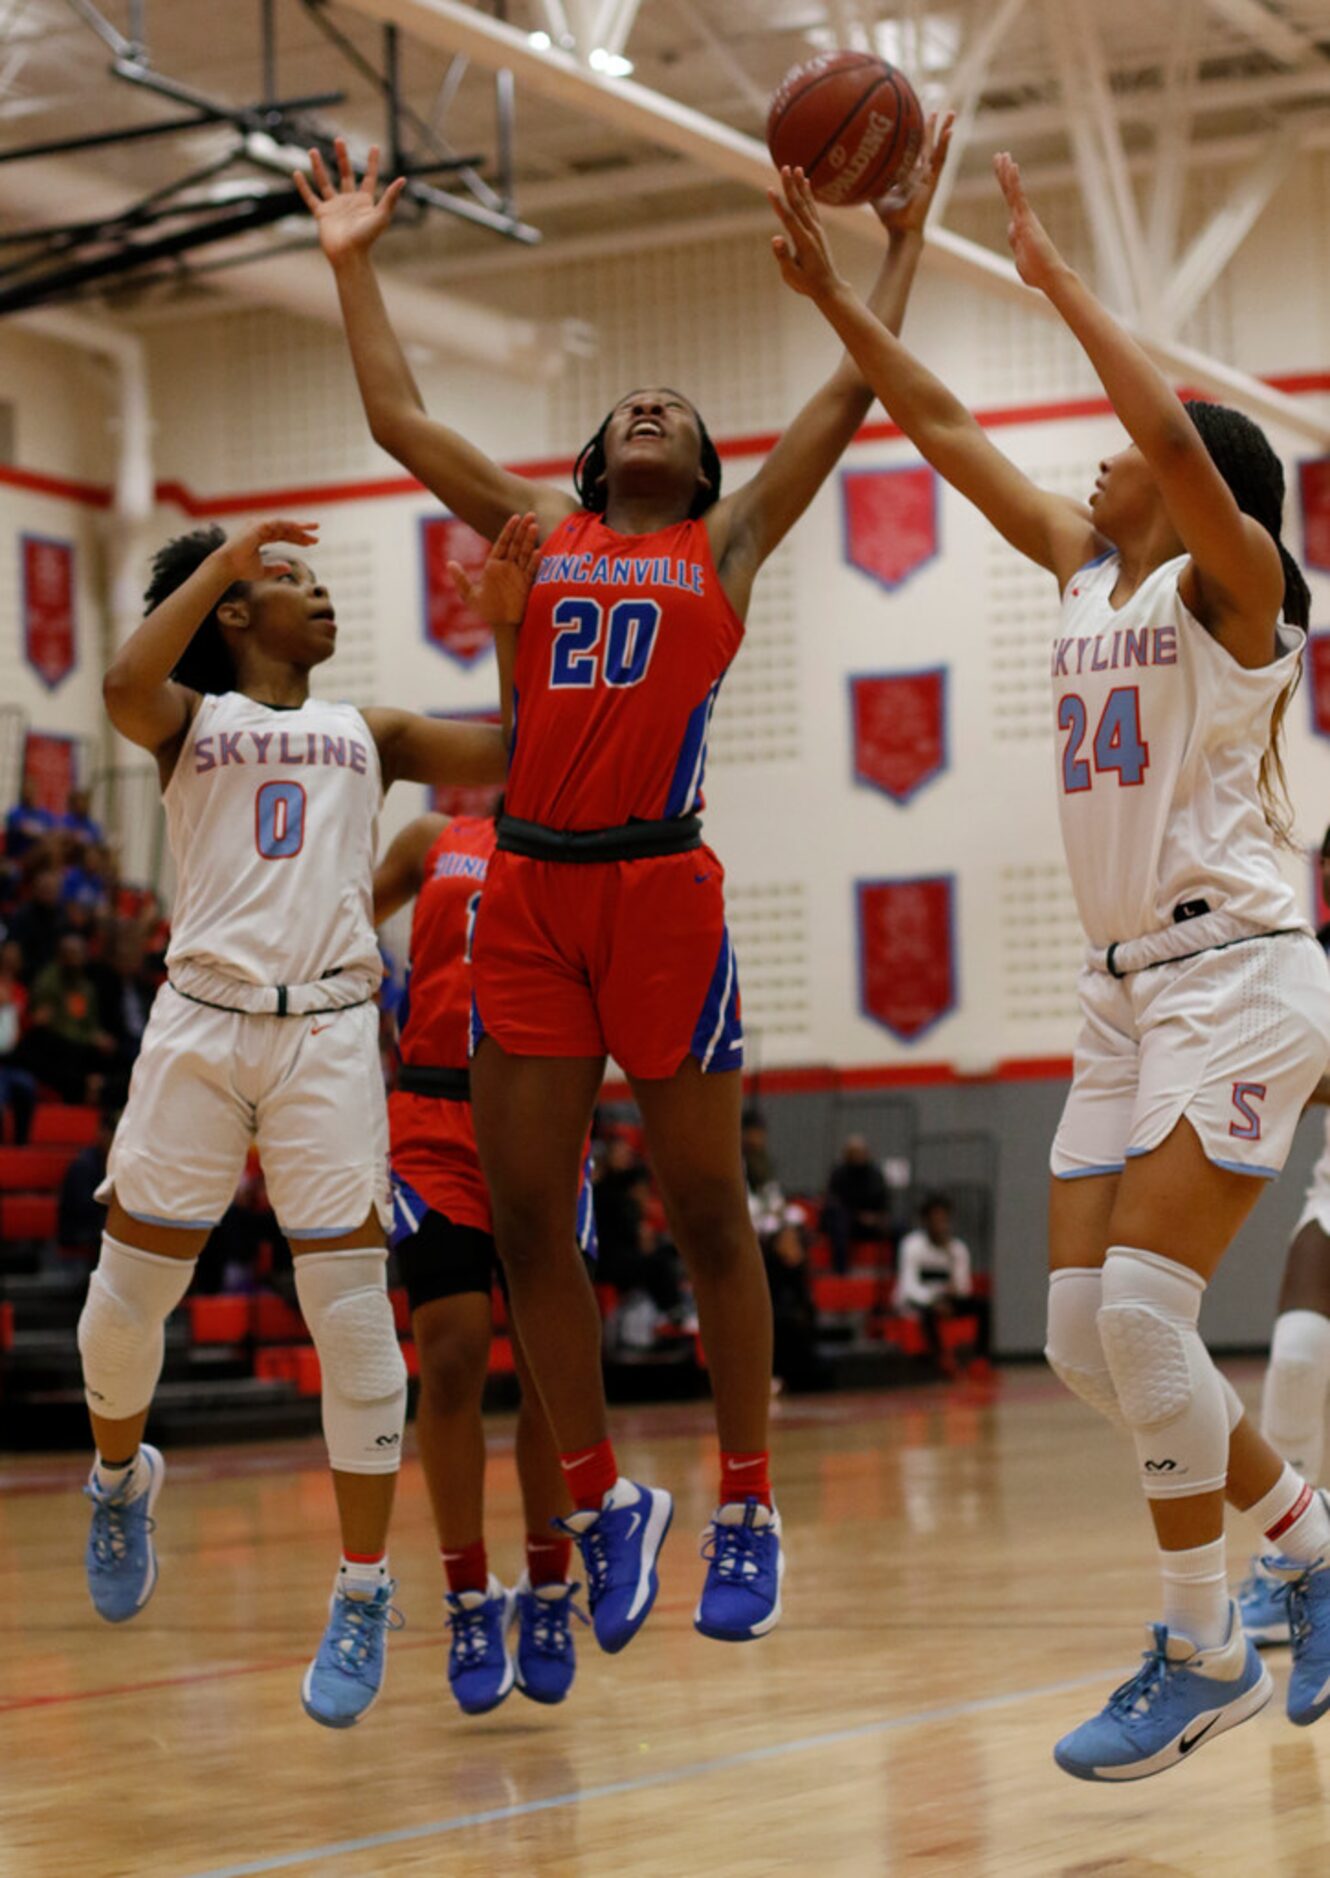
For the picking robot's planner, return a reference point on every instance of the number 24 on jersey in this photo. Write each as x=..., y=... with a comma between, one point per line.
x=1117, y=744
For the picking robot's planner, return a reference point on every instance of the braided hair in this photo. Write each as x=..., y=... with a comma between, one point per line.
x=1242, y=453
x=589, y=478
x=206, y=663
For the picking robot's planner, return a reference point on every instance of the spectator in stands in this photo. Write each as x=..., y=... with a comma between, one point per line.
x=124, y=990
x=77, y=818
x=619, y=1196
x=935, y=1282
x=38, y=923
x=758, y=1166
x=246, y=1243
x=82, y=1217
x=85, y=882
x=26, y=823
x=18, y=1089
x=65, y=1044
x=857, y=1209
x=795, y=1361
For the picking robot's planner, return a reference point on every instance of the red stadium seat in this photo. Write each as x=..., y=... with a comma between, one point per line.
x=501, y=1357
x=835, y=1295
x=57, y=1124
x=401, y=1308
x=276, y=1322
x=27, y=1216
x=278, y=1363
x=33, y=1170
x=6, y=1326
x=308, y=1379
x=218, y=1320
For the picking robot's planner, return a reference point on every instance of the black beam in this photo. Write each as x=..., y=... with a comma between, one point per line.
x=128, y=133
x=243, y=219
x=253, y=117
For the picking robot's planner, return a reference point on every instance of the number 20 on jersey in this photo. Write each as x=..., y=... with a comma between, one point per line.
x=585, y=649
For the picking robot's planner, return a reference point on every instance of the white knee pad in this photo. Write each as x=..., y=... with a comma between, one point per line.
x=344, y=1298
x=1293, y=1404
x=1232, y=1402
x=130, y=1296
x=1073, y=1350
x=1169, y=1390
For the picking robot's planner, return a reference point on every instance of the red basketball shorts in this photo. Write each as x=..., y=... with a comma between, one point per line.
x=629, y=959
x=434, y=1151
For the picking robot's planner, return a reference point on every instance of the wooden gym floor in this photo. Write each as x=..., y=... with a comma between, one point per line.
x=967, y=1571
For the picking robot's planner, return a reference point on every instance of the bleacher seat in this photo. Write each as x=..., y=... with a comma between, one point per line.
x=276, y=1322
x=219, y=1320
x=33, y=1170
x=834, y=1296
x=27, y=1216
x=56, y=1124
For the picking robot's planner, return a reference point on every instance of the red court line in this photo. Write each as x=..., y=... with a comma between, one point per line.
x=312, y=495
x=822, y=1079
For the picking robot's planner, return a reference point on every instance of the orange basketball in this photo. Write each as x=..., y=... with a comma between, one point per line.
x=851, y=122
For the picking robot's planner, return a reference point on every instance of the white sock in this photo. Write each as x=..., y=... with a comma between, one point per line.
x=361, y=1578
x=1196, y=1593
x=112, y=1479
x=1293, y=1518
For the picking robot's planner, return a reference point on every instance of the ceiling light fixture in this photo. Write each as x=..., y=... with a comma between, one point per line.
x=612, y=64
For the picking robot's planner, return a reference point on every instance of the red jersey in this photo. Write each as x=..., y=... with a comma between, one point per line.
x=436, y=1026
x=623, y=647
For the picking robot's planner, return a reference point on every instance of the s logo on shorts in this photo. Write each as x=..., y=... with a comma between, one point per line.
x=1244, y=1094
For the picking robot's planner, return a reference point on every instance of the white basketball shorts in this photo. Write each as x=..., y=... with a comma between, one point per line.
x=1235, y=1040
x=208, y=1084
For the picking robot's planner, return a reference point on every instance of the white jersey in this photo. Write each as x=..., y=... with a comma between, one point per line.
x=273, y=821
x=1160, y=738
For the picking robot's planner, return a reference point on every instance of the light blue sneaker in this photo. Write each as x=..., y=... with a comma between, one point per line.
x=120, y=1557
x=741, y=1596
x=1263, y=1607
x=344, y=1680
x=546, y=1660
x=480, y=1665
x=619, y=1547
x=1308, y=1589
x=1180, y=1697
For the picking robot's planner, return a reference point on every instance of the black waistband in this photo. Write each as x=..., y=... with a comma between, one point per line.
x=634, y=841
x=425, y=1079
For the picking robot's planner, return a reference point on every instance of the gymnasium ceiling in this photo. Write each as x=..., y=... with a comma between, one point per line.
x=1238, y=85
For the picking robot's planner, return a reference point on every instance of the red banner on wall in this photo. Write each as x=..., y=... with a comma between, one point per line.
x=890, y=521
x=899, y=721
x=907, y=953
x=1314, y=488
x=1316, y=665
x=47, y=572
x=50, y=764
x=449, y=623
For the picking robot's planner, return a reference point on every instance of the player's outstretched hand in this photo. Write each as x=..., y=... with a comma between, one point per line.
x=350, y=219
x=500, y=594
x=904, y=209
x=1037, y=260
x=802, y=252
x=241, y=556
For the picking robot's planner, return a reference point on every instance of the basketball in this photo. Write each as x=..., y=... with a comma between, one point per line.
x=851, y=122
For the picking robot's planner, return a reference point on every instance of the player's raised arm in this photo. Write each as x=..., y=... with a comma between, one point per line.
x=440, y=750
x=350, y=217
x=400, y=875
x=1049, y=529
x=1238, y=571
x=143, y=701
x=748, y=525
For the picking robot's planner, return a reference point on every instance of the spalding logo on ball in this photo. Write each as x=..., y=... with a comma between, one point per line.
x=850, y=122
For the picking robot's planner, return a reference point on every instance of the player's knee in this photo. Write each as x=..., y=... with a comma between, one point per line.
x=454, y=1361
x=711, y=1222
x=120, y=1330
x=345, y=1302
x=529, y=1232
x=1169, y=1390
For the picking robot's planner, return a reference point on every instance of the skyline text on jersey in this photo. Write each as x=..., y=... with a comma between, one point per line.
x=652, y=570
x=295, y=748
x=1151, y=645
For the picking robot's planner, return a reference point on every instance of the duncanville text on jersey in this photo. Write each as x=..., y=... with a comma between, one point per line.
x=1119, y=651
x=279, y=746
x=651, y=570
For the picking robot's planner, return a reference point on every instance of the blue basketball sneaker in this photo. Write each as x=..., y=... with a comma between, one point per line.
x=1263, y=1607
x=344, y=1680
x=121, y=1558
x=1180, y=1697
x=619, y=1547
x=546, y=1660
x=741, y=1596
x=480, y=1667
x=1309, y=1620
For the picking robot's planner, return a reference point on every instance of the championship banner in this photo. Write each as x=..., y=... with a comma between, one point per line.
x=907, y=953
x=461, y=798
x=890, y=521
x=47, y=575
x=899, y=724
x=1316, y=664
x=50, y=765
x=449, y=623
x=1314, y=488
